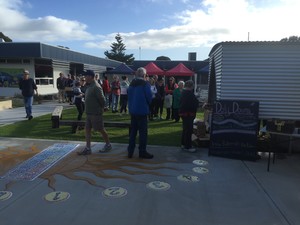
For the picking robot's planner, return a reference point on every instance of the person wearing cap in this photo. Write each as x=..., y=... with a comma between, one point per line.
x=94, y=107
x=139, y=99
x=28, y=87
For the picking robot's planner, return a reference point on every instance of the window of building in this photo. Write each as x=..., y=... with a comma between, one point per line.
x=26, y=61
x=43, y=74
x=14, y=61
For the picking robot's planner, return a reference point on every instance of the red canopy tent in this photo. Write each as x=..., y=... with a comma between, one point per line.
x=179, y=70
x=153, y=69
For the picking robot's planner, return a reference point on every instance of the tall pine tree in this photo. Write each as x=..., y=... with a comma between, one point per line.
x=5, y=38
x=117, y=51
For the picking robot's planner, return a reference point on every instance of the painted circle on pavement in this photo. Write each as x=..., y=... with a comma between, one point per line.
x=201, y=170
x=200, y=162
x=159, y=185
x=188, y=178
x=57, y=196
x=115, y=192
x=5, y=195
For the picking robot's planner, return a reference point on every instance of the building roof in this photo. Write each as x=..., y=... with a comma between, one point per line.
x=253, y=43
x=45, y=51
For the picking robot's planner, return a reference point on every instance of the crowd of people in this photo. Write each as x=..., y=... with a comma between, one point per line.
x=145, y=98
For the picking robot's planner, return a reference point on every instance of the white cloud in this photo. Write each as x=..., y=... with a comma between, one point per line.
x=211, y=22
x=18, y=26
x=217, y=21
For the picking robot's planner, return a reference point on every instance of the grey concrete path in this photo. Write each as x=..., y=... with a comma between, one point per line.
x=8, y=116
x=227, y=192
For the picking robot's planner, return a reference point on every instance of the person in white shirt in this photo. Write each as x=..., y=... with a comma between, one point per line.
x=123, y=97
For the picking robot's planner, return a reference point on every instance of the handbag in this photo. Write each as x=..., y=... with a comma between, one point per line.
x=168, y=101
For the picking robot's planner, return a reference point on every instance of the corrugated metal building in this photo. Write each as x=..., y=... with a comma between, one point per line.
x=268, y=72
x=44, y=63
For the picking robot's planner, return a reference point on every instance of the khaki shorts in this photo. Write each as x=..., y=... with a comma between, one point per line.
x=95, y=122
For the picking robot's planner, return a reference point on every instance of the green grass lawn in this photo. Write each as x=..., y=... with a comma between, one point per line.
x=166, y=133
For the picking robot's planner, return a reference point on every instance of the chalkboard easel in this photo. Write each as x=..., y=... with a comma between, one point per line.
x=234, y=128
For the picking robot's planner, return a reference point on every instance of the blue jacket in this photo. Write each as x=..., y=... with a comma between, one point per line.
x=139, y=97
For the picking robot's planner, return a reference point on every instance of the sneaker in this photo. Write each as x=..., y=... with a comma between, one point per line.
x=146, y=155
x=190, y=150
x=85, y=151
x=106, y=148
x=30, y=117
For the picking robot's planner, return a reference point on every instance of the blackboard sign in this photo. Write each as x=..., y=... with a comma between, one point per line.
x=234, y=128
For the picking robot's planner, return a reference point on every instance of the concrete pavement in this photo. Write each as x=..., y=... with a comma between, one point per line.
x=8, y=116
x=175, y=187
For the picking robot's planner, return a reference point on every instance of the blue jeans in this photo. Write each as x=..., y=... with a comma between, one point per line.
x=107, y=100
x=115, y=102
x=138, y=123
x=28, y=105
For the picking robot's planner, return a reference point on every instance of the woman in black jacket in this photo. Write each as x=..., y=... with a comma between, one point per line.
x=187, y=110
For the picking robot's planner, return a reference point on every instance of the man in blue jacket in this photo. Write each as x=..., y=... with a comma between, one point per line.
x=139, y=99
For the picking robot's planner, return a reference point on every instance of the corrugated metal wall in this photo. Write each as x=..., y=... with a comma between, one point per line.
x=268, y=72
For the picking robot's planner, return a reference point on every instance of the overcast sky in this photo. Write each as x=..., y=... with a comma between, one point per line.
x=149, y=28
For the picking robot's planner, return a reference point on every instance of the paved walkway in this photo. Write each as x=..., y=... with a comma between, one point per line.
x=8, y=116
x=173, y=188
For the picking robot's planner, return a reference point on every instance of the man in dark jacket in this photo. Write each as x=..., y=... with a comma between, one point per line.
x=28, y=86
x=61, y=84
x=139, y=99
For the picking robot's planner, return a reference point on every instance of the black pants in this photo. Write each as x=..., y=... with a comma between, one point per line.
x=123, y=103
x=170, y=113
x=187, y=131
x=80, y=109
x=160, y=106
x=176, y=114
